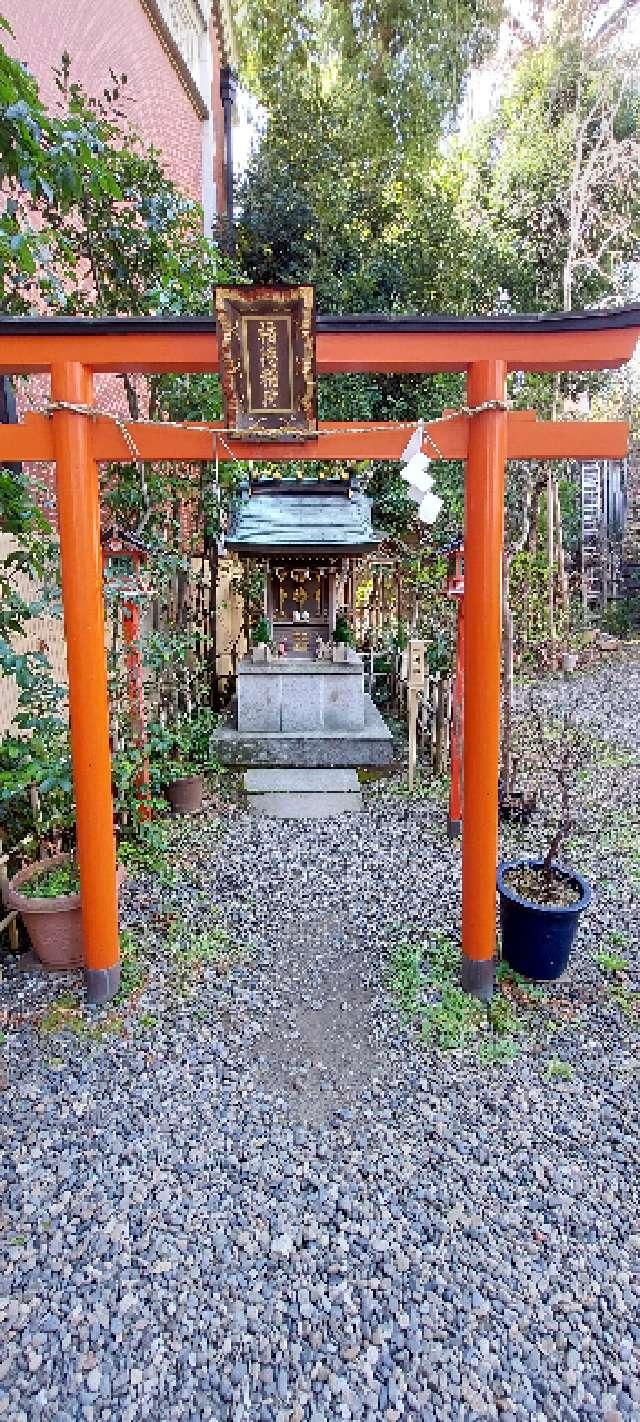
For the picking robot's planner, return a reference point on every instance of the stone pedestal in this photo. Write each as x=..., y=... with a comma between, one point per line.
x=303, y=713
x=298, y=696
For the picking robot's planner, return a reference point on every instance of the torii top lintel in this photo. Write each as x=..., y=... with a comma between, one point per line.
x=580, y=340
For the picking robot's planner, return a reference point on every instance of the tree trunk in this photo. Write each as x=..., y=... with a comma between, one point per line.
x=563, y=591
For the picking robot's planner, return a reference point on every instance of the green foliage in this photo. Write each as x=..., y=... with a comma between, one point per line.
x=262, y=635
x=559, y=1069
x=424, y=982
x=342, y=632
x=404, y=978
x=132, y=967
x=502, y=1016
x=494, y=1051
x=146, y=851
x=400, y=64
x=453, y=1020
x=529, y=602
x=92, y=221
x=53, y=883
x=618, y=619
x=439, y=654
x=520, y=165
x=182, y=748
x=610, y=963
x=36, y=753
x=193, y=953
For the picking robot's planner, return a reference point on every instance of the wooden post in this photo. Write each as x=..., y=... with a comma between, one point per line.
x=413, y=714
x=562, y=576
x=135, y=696
x=454, y=826
x=484, y=512
x=440, y=726
x=10, y=921
x=415, y=683
x=433, y=712
x=81, y=560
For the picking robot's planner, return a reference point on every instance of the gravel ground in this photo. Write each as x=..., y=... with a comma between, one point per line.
x=253, y=1193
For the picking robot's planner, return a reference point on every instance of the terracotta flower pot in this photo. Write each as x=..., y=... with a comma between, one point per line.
x=54, y=925
x=185, y=795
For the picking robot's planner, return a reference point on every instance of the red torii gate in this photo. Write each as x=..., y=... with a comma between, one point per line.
x=487, y=348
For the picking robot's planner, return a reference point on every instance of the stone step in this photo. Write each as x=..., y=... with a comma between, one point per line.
x=302, y=794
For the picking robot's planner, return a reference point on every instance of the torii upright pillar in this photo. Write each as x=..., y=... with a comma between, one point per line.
x=81, y=565
x=483, y=538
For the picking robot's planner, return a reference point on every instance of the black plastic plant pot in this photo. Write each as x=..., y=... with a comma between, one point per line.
x=537, y=938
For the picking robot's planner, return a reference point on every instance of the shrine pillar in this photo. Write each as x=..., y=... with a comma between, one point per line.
x=483, y=538
x=81, y=560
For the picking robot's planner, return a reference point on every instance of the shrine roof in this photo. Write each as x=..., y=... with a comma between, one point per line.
x=315, y=516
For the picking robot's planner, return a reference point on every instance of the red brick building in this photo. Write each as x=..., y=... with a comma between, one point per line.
x=172, y=52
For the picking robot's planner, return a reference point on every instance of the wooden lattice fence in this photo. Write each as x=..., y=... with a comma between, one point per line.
x=434, y=707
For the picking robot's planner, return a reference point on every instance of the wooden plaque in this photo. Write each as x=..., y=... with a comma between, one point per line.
x=266, y=342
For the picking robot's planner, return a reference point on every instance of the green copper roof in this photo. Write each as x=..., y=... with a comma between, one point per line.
x=314, y=518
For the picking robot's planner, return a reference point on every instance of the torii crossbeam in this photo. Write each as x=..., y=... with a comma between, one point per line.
x=73, y=350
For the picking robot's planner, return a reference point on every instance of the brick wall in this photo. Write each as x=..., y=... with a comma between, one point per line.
x=113, y=34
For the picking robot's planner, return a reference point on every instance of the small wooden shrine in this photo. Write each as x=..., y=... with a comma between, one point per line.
x=309, y=535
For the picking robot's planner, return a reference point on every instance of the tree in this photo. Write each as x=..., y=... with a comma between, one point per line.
x=400, y=64
x=551, y=187
x=48, y=165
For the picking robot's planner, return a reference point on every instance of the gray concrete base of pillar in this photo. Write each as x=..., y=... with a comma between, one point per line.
x=478, y=977
x=303, y=794
x=101, y=984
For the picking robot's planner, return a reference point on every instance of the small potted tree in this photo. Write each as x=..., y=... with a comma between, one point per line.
x=180, y=756
x=261, y=639
x=342, y=639
x=541, y=899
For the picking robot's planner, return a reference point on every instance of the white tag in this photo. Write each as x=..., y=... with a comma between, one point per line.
x=415, y=444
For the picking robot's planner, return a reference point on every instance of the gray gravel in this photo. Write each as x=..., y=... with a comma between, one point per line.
x=266, y=1202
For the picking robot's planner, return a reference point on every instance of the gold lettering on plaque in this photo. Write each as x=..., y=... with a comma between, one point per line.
x=268, y=350
x=268, y=362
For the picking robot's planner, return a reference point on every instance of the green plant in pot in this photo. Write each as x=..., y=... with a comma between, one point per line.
x=342, y=638
x=261, y=638
x=179, y=757
x=541, y=899
x=46, y=894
